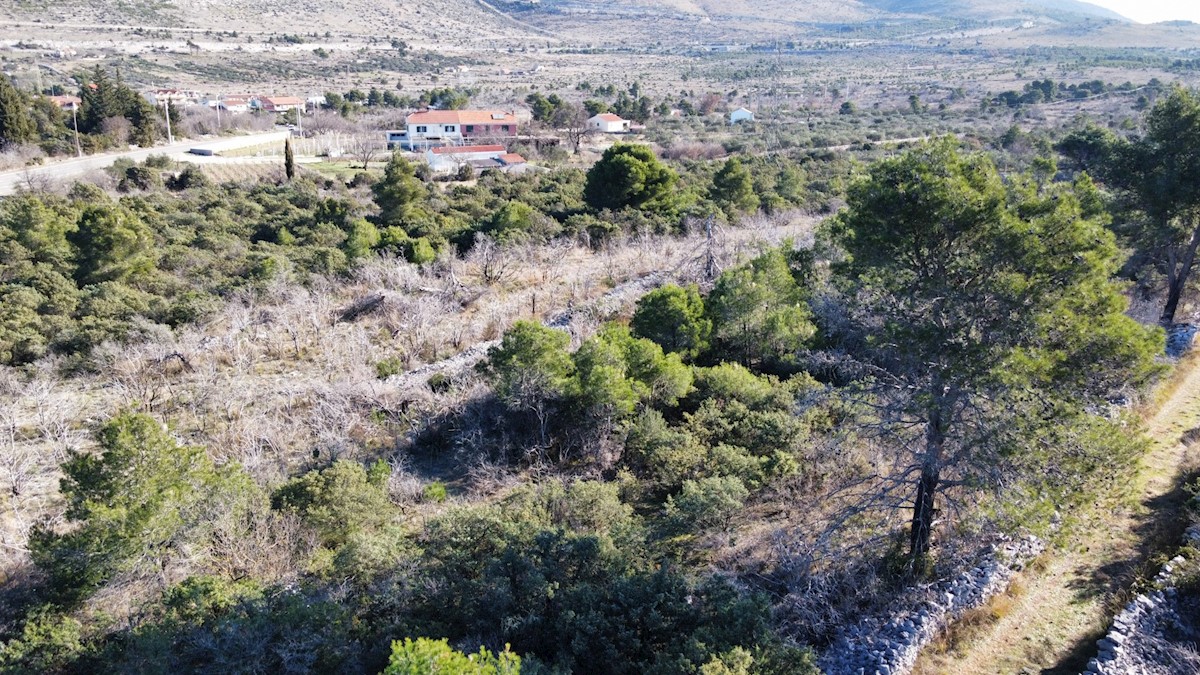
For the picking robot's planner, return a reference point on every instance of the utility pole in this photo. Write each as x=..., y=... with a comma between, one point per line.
x=167, y=110
x=218, y=107
x=75, y=123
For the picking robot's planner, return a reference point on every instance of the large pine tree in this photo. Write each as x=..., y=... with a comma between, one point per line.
x=987, y=313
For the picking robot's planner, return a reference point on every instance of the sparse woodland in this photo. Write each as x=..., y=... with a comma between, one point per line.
x=652, y=417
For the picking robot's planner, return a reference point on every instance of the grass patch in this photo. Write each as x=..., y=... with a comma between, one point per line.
x=973, y=623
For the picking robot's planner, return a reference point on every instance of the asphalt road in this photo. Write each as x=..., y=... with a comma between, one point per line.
x=71, y=168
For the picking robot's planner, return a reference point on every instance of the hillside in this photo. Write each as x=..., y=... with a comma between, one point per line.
x=585, y=20
x=433, y=20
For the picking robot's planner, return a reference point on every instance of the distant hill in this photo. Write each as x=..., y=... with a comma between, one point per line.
x=998, y=9
x=741, y=19
x=596, y=21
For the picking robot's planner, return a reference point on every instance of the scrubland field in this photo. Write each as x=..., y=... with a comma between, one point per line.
x=700, y=398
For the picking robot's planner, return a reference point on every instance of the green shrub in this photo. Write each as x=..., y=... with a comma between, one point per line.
x=434, y=492
x=707, y=503
x=435, y=657
x=393, y=365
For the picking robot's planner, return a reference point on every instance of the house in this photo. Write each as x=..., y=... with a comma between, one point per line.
x=608, y=123
x=427, y=128
x=234, y=104
x=67, y=103
x=450, y=158
x=741, y=115
x=281, y=104
x=158, y=97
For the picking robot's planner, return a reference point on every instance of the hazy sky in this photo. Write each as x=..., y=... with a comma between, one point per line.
x=1149, y=11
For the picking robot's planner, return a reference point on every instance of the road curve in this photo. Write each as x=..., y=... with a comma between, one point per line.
x=56, y=171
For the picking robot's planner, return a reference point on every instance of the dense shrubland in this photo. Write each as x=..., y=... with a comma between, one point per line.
x=710, y=476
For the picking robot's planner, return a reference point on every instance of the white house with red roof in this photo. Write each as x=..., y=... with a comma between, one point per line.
x=608, y=123
x=426, y=128
x=281, y=104
x=449, y=158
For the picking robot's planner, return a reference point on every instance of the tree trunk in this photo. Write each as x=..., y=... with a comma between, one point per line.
x=924, y=506
x=1177, y=277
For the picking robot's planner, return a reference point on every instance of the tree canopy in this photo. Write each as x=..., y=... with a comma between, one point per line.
x=1158, y=176
x=629, y=175
x=981, y=305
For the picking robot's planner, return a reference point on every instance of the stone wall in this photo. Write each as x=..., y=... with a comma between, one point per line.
x=1155, y=632
x=890, y=645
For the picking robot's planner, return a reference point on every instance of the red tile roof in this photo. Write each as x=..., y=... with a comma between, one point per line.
x=609, y=117
x=282, y=100
x=512, y=158
x=464, y=149
x=462, y=117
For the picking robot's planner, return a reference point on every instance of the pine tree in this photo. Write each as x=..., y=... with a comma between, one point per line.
x=16, y=124
x=733, y=188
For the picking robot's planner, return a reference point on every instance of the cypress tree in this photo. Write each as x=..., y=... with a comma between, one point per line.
x=289, y=159
x=16, y=124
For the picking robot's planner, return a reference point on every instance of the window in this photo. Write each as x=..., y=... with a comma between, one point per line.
x=469, y=128
x=422, y=129
x=450, y=128
x=505, y=128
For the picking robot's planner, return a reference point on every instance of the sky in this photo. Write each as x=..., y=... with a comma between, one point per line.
x=1149, y=11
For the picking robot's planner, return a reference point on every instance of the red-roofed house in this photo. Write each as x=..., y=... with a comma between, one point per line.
x=451, y=157
x=608, y=123
x=280, y=104
x=67, y=103
x=438, y=127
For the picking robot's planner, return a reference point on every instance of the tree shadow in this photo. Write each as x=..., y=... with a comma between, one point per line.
x=1159, y=529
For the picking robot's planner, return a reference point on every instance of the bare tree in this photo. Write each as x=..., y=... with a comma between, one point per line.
x=366, y=145
x=492, y=261
x=572, y=120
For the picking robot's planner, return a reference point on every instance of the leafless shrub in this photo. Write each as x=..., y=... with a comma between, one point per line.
x=199, y=120
x=117, y=128
x=403, y=487
x=325, y=122
x=493, y=263
x=16, y=156
x=693, y=150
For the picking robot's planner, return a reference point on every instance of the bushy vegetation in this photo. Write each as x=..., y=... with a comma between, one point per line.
x=708, y=481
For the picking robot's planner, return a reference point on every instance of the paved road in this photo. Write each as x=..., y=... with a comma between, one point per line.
x=10, y=180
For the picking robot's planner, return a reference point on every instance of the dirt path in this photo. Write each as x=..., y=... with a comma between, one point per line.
x=1053, y=625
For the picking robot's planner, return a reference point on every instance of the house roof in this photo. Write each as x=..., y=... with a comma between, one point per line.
x=229, y=101
x=609, y=117
x=743, y=110
x=466, y=149
x=512, y=158
x=462, y=117
x=64, y=101
x=282, y=100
